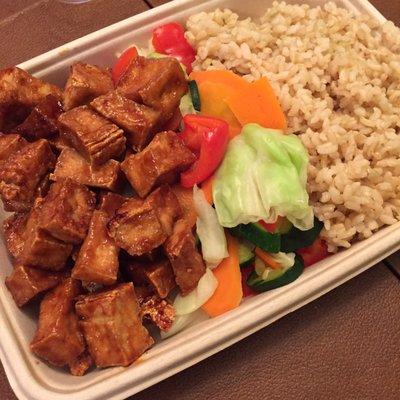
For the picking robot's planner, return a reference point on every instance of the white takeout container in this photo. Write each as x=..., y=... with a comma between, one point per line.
x=33, y=379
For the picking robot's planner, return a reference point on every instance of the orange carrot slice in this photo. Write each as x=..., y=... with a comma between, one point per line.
x=267, y=258
x=228, y=294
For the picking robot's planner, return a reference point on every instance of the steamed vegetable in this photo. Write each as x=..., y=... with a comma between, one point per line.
x=170, y=39
x=195, y=95
x=181, y=322
x=123, y=63
x=210, y=232
x=314, y=253
x=197, y=297
x=207, y=187
x=186, y=105
x=263, y=176
x=246, y=254
x=278, y=261
x=208, y=138
x=228, y=294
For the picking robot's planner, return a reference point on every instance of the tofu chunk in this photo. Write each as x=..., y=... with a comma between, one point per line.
x=42, y=121
x=26, y=282
x=97, y=261
x=10, y=144
x=19, y=93
x=186, y=261
x=14, y=233
x=70, y=164
x=91, y=135
x=158, y=274
x=138, y=121
x=58, y=338
x=66, y=211
x=157, y=310
x=112, y=326
x=185, y=199
x=40, y=249
x=166, y=206
x=85, y=82
x=135, y=227
x=157, y=83
x=81, y=364
x=160, y=162
x=22, y=174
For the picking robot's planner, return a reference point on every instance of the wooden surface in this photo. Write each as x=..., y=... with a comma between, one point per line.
x=344, y=345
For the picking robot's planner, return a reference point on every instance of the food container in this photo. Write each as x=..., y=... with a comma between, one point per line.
x=33, y=379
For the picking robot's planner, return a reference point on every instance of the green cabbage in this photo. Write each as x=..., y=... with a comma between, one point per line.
x=263, y=175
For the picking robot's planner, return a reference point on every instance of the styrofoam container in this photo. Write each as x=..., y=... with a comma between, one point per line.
x=33, y=379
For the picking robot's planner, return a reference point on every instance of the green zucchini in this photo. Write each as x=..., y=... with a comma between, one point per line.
x=195, y=95
x=295, y=239
x=256, y=234
x=276, y=278
x=246, y=254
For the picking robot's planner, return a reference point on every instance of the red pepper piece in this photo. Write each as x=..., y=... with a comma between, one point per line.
x=208, y=138
x=247, y=290
x=314, y=253
x=170, y=39
x=123, y=63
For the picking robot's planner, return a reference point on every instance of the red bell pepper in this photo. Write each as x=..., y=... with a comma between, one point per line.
x=208, y=138
x=123, y=63
x=270, y=227
x=247, y=290
x=314, y=253
x=170, y=39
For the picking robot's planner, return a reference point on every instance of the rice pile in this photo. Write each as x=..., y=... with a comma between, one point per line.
x=337, y=77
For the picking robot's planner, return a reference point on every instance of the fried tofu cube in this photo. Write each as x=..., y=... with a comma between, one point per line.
x=85, y=82
x=14, y=233
x=19, y=93
x=81, y=364
x=185, y=199
x=58, y=338
x=91, y=135
x=42, y=121
x=112, y=326
x=158, y=274
x=186, y=261
x=157, y=83
x=26, y=282
x=70, y=164
x=97, y=261
x=138, y=121
x=157, y=310
x=66, y=211
x=166, y=206
x=135, y=227
x=10, y=144
x=21, y=175
x=40, y=249
x=160, y=162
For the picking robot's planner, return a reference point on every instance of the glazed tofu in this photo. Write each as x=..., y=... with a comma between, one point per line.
x=81, y=364
x=186, y=261
x=22, y=174
x=166, y=206
x=85, y=82
x=10, y=144
x=66, y=211
x=70, y=164
x=158, y=274
x=19, y=93
x=157, y=83
x=97, y=261
x=160, y=162
x=42, y=121
x=157, y=310
x=185, y=199
x=40, y=249
x=58, y=338
x=14, y=231
x=26, y=282
x=91, y=135
x=138, y=121
x=112, y=326
x=135, y=227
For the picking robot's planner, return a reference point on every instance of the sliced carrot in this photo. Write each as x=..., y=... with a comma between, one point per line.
x=267, y=258
x=207, y=187
x=228, y=294
x=225, y=77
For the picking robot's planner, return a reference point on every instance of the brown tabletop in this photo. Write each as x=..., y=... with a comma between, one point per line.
x=344, y=345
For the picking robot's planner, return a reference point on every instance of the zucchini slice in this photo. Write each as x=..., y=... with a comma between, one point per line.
x=276, y=278
x=295, y=239
x=256, y=234
x=246, y=254
x=195, y=95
